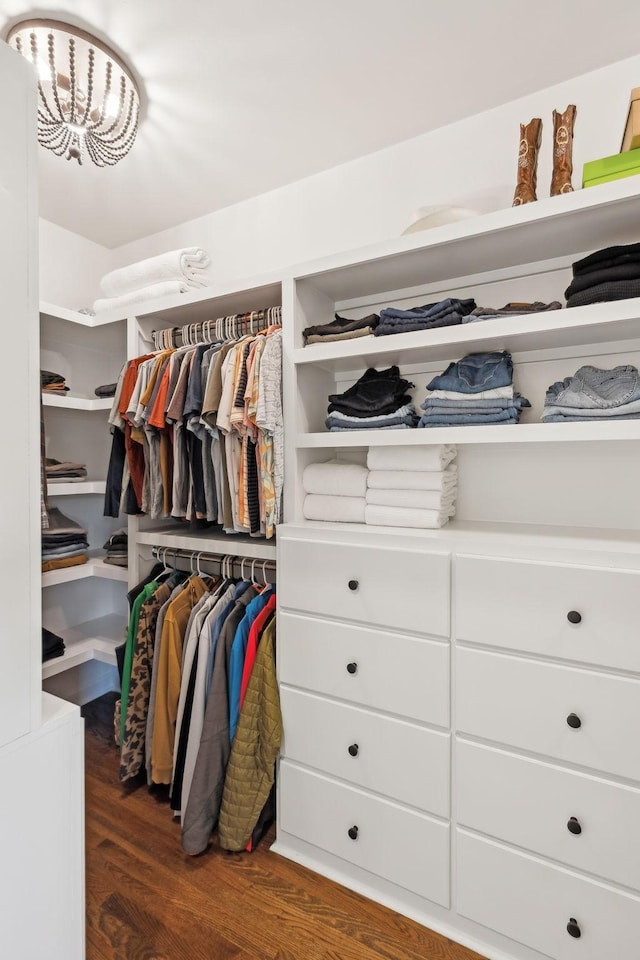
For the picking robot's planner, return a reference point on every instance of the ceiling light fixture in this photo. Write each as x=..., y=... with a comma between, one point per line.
x=88, y=99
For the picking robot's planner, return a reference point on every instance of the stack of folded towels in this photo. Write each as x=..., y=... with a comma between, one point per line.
x=411, y=486
x=377, y=401
x=475, y=390
x=594, y=394
x=58, y=471
x=117, y=547
x=341, y=328
x=177, y=271
x=64, y=544
x=511, y=310
x=444, y=313
x=609, y=274
x=335, y=491
x=53, y=383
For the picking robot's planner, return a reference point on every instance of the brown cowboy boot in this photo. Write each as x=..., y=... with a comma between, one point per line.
x=562, y=150
x=530, y=136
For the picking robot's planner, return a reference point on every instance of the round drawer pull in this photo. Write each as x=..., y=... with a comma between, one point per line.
x=352, y=668
x=573, y=929
x=353, y=833
x=574, y=617
x=574, y=721
x=354, y=584
x=354, y=749
x=574, y=826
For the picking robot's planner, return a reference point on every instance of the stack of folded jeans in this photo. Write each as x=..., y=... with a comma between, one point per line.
x=377, y=401
x=475, y=390
x=58, y=471
x=411, y=486
x=444, y=313
x=511, y=310
x=64, y=544
x=609, y=274
x=341, y=328
x=594, y=394
x=117, y=547
x=335, y=491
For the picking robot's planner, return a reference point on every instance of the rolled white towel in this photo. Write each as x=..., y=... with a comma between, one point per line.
x=165, y=288
x=335, y=478
x=405, y=517
x=435, y=457
x=415, y=499
x=188, y=265
x=413, y=479
x=334, y=509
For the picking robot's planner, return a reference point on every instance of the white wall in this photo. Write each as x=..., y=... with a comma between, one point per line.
x=70, y=266
x=472, y=162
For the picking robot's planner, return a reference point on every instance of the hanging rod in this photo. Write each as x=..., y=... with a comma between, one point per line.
x=248, y=567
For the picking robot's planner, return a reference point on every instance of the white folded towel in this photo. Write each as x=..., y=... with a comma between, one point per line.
x=164, y=288
x=336, y=478
x=413, y=479
x=415, y=499
x=188, y=265
x=334, y=509
x=405, y=517
x=435, y=457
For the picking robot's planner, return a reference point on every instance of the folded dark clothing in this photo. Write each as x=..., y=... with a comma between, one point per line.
x=374, y=390
x=604, y=292
x=341, y=325
x=57, y=540
x=118, y=538
x=429, y=311
x=351, y=410
x=516, y=309
x=47, y=377
x=413, y=326
x=52, y=645
x=119, y=560
x=607, y=257
x=624, y=271
x=106, y=390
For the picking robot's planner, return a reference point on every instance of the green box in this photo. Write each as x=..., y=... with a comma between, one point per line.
x=621, y=165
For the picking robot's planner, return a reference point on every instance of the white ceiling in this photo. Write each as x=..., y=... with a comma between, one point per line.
x=247, y=95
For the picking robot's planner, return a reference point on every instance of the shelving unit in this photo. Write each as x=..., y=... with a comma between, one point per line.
x=91, y=640
x=69, y=402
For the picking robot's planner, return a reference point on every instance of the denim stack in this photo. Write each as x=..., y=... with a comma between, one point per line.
x=444, y=313
x=377, y=401
x=411, y=486
x=341, y=328
x=511, y=310
x=594, y=394
x=475, y=390
x=609, y=274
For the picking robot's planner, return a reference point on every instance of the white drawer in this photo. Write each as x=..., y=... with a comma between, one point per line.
x=392, y=757
x=401, y=589
x=533, y=902
x=530, y=804
x=525, y=703
x=403, y=675
x=402, y=846
x=526, y=606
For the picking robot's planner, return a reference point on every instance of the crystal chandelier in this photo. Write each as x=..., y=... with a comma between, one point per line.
x=88, y=100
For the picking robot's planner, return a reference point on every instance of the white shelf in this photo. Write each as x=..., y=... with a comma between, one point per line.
x=589, y=431
x=70, y=402
x=74, y=316
x=81, y=488
x=594, y=324
x=93, y=640
x=238, y=545
x=93, y=568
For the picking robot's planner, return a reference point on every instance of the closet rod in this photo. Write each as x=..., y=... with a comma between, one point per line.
x=247, y=567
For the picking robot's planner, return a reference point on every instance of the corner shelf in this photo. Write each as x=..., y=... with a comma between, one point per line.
x=81, y=488
x=74, y=316
x=69, y=402
x=92, y=640
x=95, y=567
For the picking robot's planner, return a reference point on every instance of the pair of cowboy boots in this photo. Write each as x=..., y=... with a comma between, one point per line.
x=530, y=138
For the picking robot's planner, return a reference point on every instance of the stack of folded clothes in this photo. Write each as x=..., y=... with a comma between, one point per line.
x=609, y=274
x=377, y=401
x=51, y=382
x=594, y=394
x=64, y=471
x=117, y=547
x=511, y=310
x=411, y=486
x=64, y=544
x=444, y=313
x=52, y=645
x=106, y=390
x=475, y=390
x=341, y=328
x=178, y=271
x=335, y=491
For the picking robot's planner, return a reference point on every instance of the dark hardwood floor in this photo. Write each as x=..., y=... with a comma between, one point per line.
x=146, y=900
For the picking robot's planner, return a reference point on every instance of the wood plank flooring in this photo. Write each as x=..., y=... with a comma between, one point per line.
x=147, y=900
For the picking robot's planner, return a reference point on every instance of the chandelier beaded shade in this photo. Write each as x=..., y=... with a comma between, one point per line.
x=88, y=100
